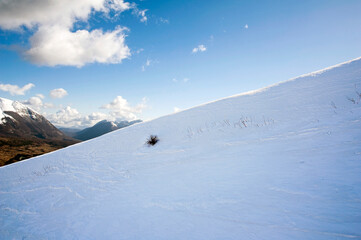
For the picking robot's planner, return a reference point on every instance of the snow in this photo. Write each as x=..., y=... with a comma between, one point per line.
x=113, y=124
x=283, y=162
x=14, y=106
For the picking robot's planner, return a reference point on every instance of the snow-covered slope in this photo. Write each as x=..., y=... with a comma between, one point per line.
x=283, y=162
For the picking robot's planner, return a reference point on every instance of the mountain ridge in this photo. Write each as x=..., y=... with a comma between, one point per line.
x=100, y=128
x=17, y=120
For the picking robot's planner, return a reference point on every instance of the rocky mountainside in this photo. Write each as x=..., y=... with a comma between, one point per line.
x=17, y=120
x=24, y=133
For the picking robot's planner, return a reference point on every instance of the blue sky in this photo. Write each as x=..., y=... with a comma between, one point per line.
x=172, y=54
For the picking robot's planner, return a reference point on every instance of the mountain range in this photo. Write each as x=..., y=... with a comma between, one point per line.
x=24, y=133
x=97, y=130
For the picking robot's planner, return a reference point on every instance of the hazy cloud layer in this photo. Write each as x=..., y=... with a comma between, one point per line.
x=118, y=109
x=72, y=118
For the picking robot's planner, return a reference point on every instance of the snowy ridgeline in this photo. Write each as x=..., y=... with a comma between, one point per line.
x=14, y=106
x=282, y=162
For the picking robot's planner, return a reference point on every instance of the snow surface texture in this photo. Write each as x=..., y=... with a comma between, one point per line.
x=283, y=162
x=14, y=106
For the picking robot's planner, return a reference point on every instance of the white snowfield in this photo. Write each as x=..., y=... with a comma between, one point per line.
x=283, y=162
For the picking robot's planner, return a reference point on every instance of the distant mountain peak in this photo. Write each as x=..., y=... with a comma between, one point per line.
x=7, y=105
x=18, y=120
x=102, y=127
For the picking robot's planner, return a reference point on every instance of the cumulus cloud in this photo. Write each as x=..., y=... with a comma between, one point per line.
x=36, y=103
x=66, y=117
x=200, y=48
x=57, y=45
x=246, y=26
x=15, y=89
x=54, y=42
x=121, y=110
x=58, y=93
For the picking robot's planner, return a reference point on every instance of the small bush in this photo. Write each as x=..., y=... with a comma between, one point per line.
x=152, y=140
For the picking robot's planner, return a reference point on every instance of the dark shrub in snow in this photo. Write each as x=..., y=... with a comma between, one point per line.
x=152, y=140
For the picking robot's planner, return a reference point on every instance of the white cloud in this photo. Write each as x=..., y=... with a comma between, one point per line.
x=147, y=64
x=71, y=117
x=57, y=45
x=175, y=109
x=54, y=42
x=174, y=80
x=93, y=118
x=17, y=13
x=48, y=105
x=66, y=117
x=185, y=79
x=200, y=48
x=58, y=93
x=16, y=90
x=246, y=26
x=143, y=16
x=40, y=96
x=37, y=103
x=121, y=110
x=140, y=13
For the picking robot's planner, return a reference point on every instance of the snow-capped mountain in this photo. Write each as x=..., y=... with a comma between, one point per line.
x=18, y=120
x=101, y=128
x=282, y=162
